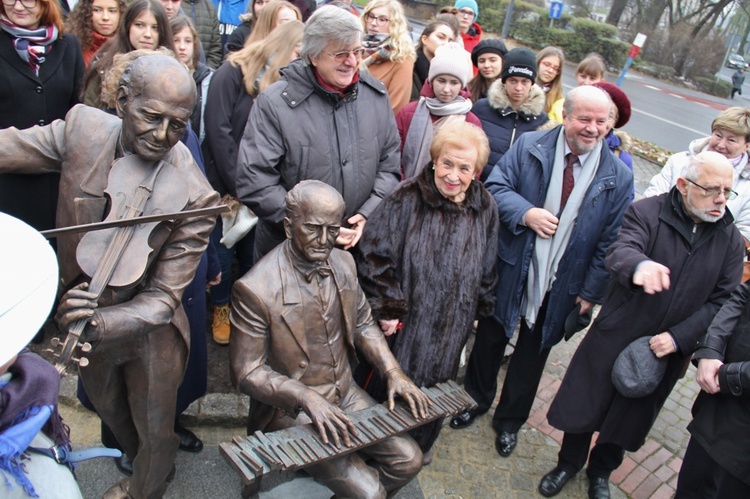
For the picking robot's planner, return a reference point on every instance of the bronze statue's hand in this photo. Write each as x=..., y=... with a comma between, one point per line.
x=328, y=419
x=75, y=305
x=400, y=384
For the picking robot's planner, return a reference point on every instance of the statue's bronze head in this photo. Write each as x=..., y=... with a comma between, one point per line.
x=155, y=99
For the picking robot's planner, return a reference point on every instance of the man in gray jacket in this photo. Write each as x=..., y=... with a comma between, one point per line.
x=324, y=120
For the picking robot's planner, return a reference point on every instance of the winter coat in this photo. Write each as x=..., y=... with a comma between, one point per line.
x=619, y=143
x=738, y=79
x=413, y=232
x=298, y=130
x=471, y=39
x=194, y=382
x=720, y=422
x=202, y=77
x=27, y=100
x=236, y=41
x=518, y=183
x=203, y=15
x=404, y=117
x=705, y=265
x=502, y=124
x=397, y=78
x=228, y=12
x=739, y=206
x=227, y=109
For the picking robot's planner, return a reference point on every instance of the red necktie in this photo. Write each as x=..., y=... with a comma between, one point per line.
x=568, y=180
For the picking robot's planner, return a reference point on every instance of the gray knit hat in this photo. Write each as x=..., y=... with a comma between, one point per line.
x=451, y=59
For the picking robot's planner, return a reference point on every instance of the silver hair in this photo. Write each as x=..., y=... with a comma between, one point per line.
x=585, y=93
x=329, y=24
x=694, y=168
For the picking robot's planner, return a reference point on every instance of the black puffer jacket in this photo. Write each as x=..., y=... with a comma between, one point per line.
x=203, y=15
x=502, y=124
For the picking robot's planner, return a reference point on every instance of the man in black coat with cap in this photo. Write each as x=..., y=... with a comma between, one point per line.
x=676, y=260
x=717, y=459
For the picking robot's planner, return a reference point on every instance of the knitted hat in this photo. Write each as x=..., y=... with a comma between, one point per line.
x=450, y=59
x=619, y=99
x=493, y=45
x=519, y=62
x=472, y=4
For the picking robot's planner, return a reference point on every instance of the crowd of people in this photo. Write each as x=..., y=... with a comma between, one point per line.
x=465, y=192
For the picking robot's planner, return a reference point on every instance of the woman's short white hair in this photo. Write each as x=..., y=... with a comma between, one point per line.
x=329, y=24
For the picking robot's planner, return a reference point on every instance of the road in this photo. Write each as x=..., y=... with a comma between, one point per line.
x=664, y=114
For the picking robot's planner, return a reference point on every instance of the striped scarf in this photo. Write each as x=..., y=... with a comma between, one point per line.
x=31, y=45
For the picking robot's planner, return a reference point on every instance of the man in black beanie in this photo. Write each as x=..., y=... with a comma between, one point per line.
x=514, y=105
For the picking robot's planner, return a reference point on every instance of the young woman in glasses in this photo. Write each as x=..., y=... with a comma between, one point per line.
x=390, y=50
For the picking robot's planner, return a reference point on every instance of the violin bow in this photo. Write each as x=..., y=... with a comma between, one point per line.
x=75, y=229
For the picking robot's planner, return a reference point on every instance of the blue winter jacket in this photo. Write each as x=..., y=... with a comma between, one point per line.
x=519, y=182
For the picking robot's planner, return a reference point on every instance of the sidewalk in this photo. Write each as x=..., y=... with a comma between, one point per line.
x=466, y=464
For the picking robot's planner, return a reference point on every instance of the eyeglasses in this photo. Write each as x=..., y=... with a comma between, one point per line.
x=380, y=21
x=358, y=53
x=466, y=12
x=29, y=4
x=551, y=66
x=714, y=192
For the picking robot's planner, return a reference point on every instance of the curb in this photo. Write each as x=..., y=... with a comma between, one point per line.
x=213, y=409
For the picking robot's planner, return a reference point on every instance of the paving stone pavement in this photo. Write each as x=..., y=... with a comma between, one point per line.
x=466, y=464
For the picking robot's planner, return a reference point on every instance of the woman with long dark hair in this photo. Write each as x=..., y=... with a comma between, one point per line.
x=144, y=26
x=41, y=68
x=94, y=22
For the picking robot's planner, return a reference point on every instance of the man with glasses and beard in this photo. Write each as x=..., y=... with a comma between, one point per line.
x=677, y=258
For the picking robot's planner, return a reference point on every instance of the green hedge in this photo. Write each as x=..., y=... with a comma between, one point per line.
x=714, y=86
x=576, y=36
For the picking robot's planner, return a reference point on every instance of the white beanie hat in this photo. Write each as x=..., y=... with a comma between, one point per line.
x=451, y=59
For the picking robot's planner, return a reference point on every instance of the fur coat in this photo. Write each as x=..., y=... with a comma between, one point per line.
x=502, y=124
x=430, y=263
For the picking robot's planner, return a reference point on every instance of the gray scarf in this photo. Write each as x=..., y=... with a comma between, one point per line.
x=549, y=252
x=418, y=139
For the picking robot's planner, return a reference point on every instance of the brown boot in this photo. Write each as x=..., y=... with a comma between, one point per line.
x=220, y=325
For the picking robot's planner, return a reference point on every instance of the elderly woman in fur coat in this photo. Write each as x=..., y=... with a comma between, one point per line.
x=427, y=264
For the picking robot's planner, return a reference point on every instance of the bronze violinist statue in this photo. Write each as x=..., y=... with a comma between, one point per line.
x=135, y=322
x=297, y=317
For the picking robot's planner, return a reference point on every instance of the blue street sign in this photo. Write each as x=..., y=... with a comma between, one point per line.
x=555, y=10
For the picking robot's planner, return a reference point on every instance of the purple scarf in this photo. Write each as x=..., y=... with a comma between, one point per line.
x=24, y=402
x=31, y=45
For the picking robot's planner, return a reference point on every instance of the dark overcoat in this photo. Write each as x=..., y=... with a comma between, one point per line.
x=518, y=183
x=27, y=100
x=705, y=265
x=721, y=422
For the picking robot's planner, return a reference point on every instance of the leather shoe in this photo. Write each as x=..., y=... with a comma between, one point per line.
x=505, y=443
x=188, y=440
x=463, y=420
x=598, y=488
x=553, y=482
x=124, y=464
